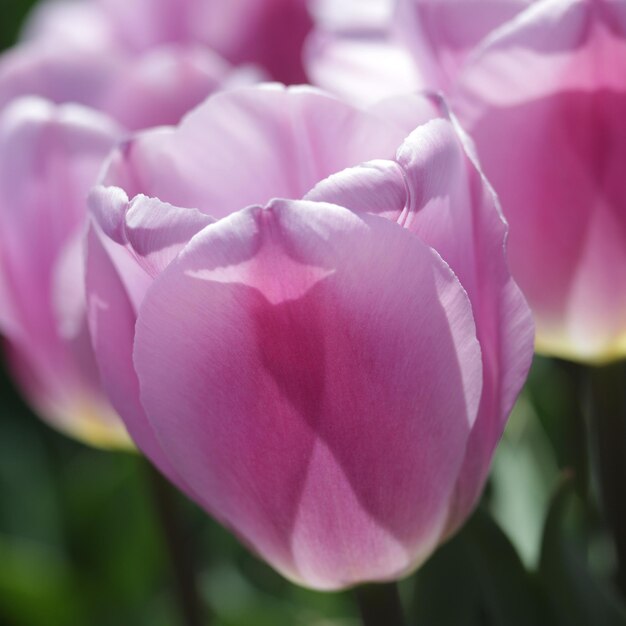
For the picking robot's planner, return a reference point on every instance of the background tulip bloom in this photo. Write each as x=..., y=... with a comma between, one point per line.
x=554, y=85
x=540, y=86
x=319, y=348
x=49, y=158
x=148, y=62
x=75, y=52
x=268, y=33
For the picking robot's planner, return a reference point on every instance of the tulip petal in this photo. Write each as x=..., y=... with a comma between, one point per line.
x=144, y=24
x=375, y=187
x=161, y=86
x=442, y=33
x=212, y=160
x=111, y=314
x=153, y=89
x=270, y=33
x=70, y=23
x=49, y=157
x=68, y=287
x=157, y=231
x=436, y=191
x=153, y=231
x=560, y=101
x=129, y=243
x=315, y=357
x=554, y=45
x=361, y=67
x=9, y=316
x=409, y=111
x=108, y=208
x=360, y=14
x=454, y=210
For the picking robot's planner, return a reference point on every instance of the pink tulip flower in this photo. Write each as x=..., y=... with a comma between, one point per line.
x=49, y=159
x=148, y=62
x=268, y=33
x=544, y=101
x=137, y=62
x=354, y=52
x=76, y=52
x=303, y=312
x=540, y=87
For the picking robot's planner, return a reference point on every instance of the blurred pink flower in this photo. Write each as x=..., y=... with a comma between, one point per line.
x=148, y=62
x=49, y=158
x=320, y=348
x=151, y=89
x=144, y=63
x=267, y=33
x=541, y=88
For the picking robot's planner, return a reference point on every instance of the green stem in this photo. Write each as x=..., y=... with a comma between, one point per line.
x=177, y=546
x=607, y=424
x=576, y=453
x=379, y=605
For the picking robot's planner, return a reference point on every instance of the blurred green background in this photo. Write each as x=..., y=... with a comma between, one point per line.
x=80, y=543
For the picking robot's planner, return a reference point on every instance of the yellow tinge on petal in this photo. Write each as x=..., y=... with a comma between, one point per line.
x=562, y=345
x=95, y=424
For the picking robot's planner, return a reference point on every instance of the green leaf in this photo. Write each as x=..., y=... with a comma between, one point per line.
x=36, y=585
x=579, y=597
x=477, y=579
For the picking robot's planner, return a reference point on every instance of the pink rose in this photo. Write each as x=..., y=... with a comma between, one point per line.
x=305, y=318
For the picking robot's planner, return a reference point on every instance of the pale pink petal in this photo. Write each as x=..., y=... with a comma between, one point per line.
x=247, y=146
x=161, y=86
x=267, y=33
x=153, y=232
x=550, y=42
x=374, y=187
x=453, y=209
x=73, y=404
x=353, y=52
x=361, y=67
x=68, y=287
x=49, y=157
x=69, y=23
x=409, y=111
x=157, y=231
x=295, y=362
x=129, y=243
x=436, y=191
x=108, y=206
x=140, y=25
x=9, y=317
x=561, y=78
x=112, y=327
x=331, y=15
x=443, y=33
x=270, y=33
x=152, y=89
x=142, y=236
x=58, y=73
